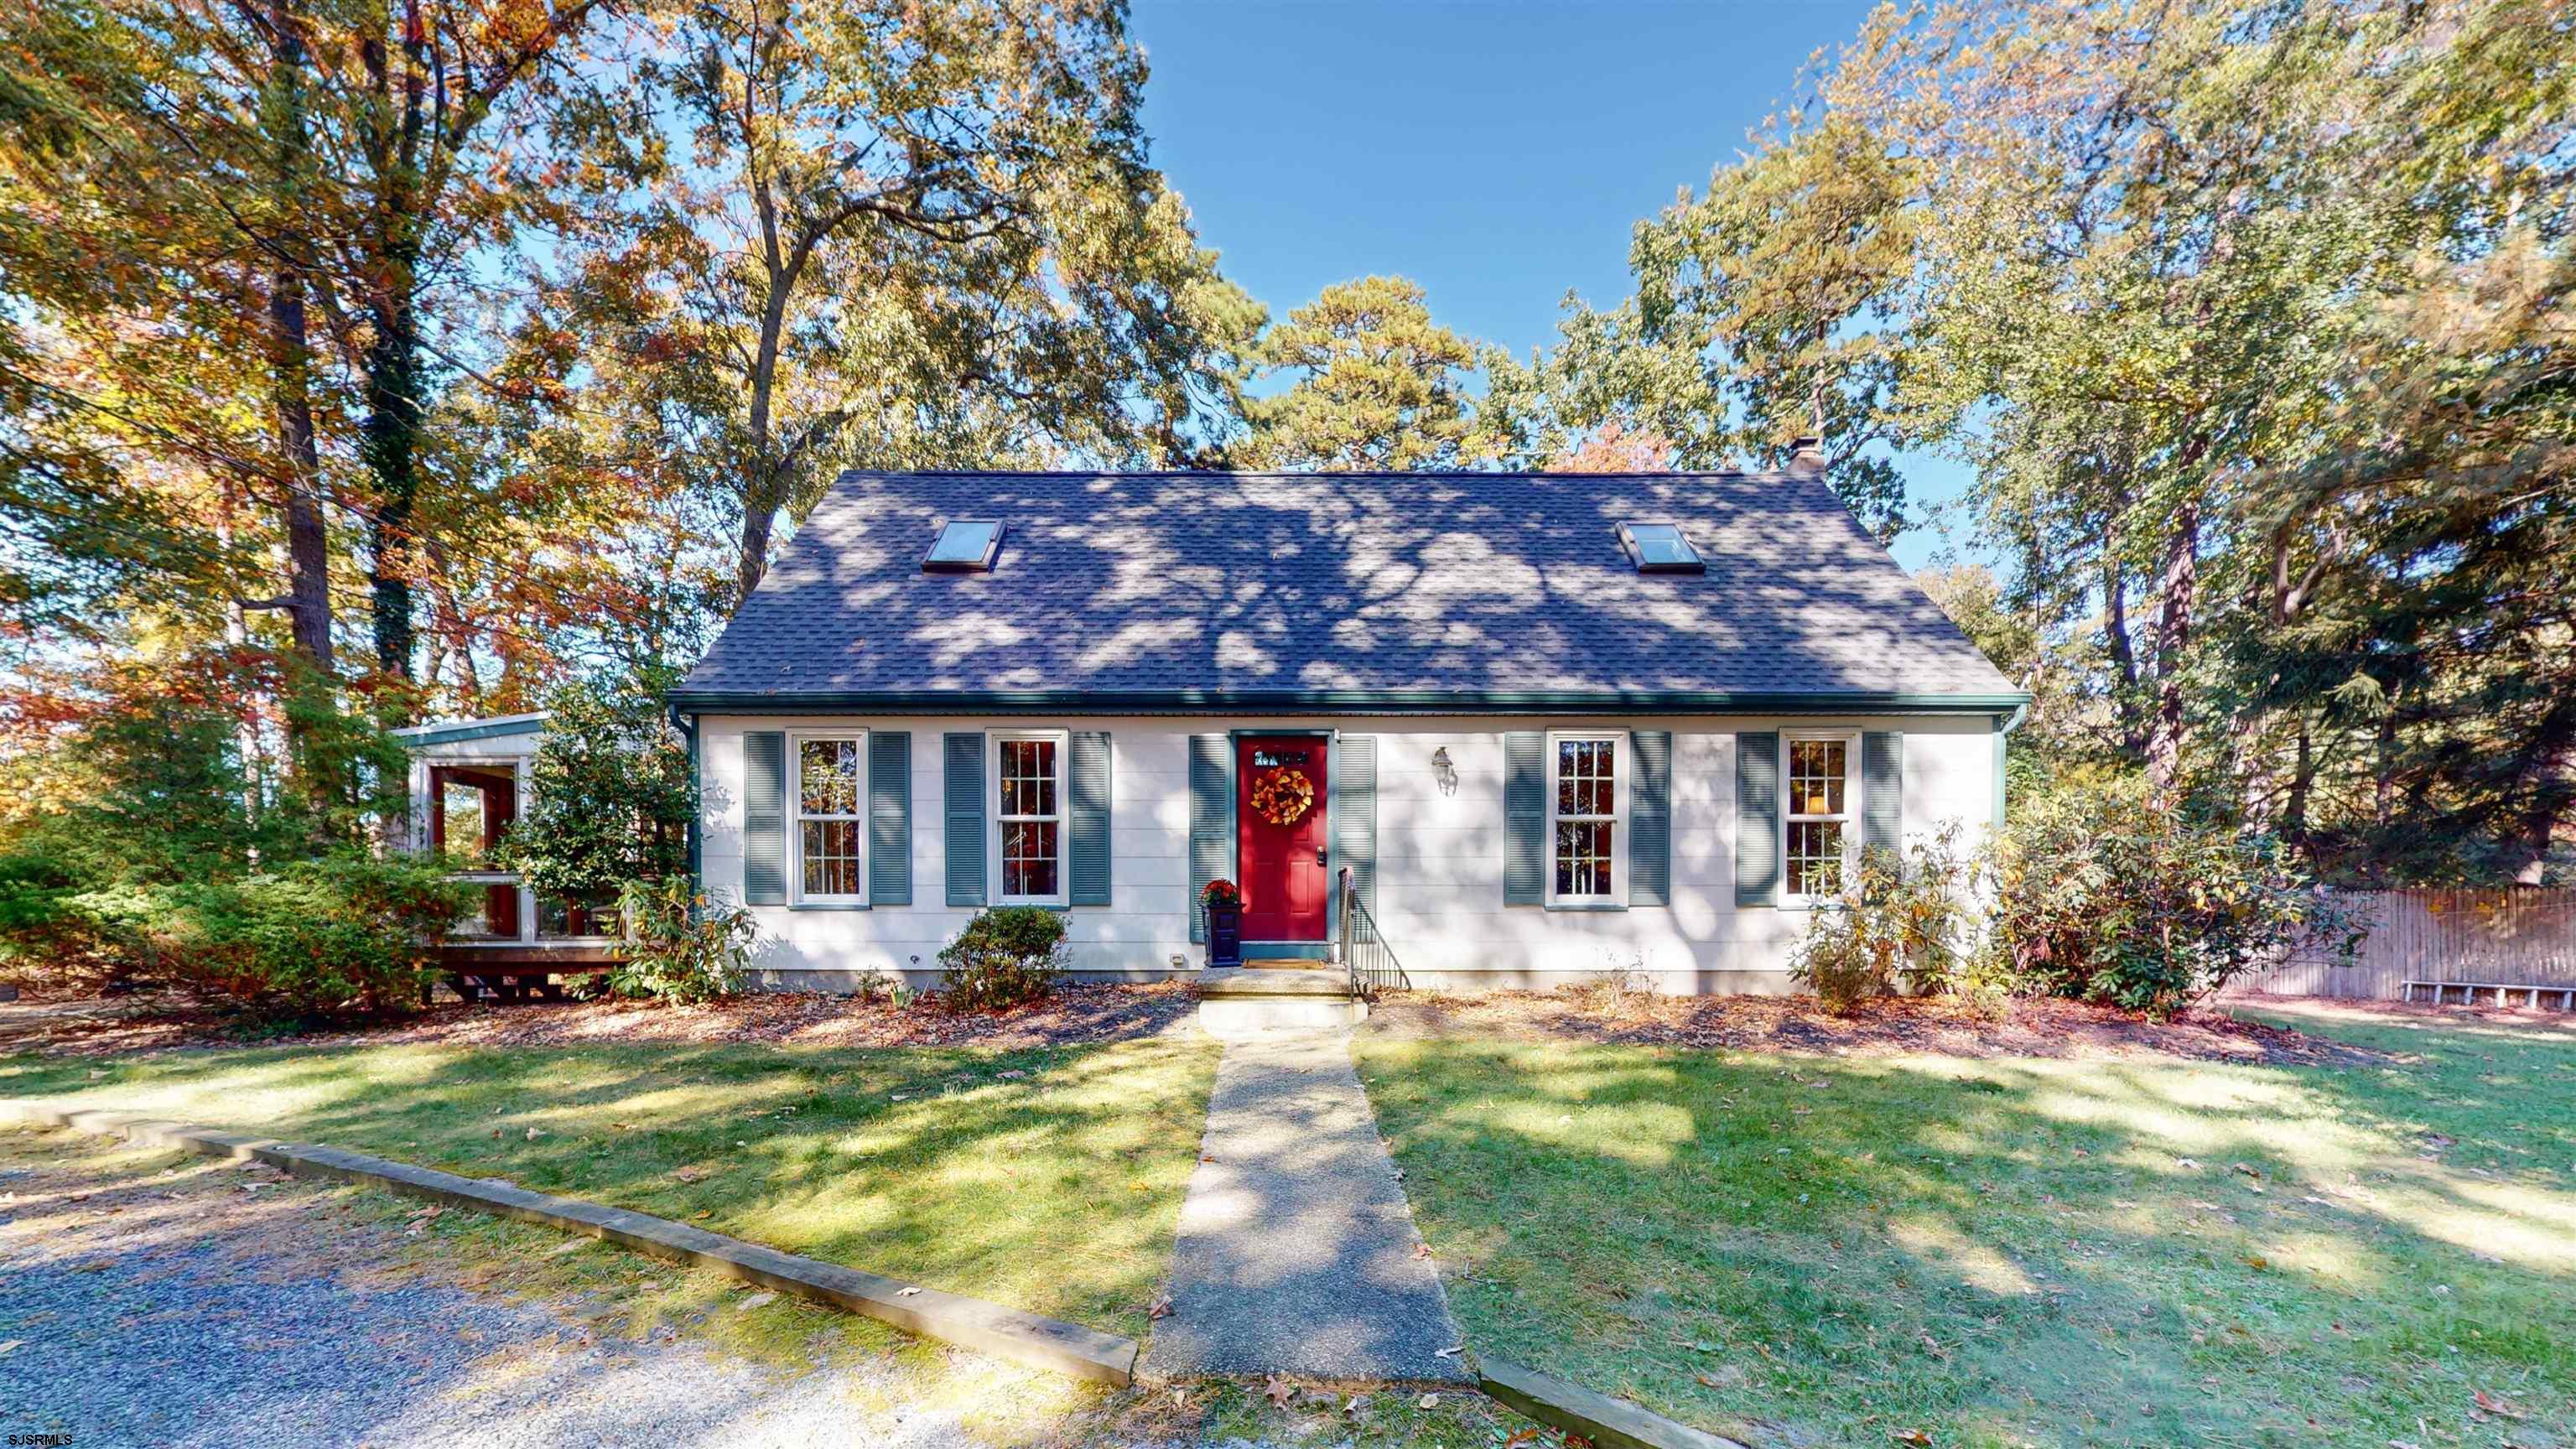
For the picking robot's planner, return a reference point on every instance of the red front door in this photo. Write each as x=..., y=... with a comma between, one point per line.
x=1279, y=835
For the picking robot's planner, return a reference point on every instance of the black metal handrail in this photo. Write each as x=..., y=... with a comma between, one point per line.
x=1365, y=955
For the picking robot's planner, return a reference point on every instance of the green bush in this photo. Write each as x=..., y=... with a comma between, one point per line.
x=2102, y=896
x=47, y=940
x=1004, y=956
x=1902, y=922
x=340, y=935
x=679, y=947
x=609, y=796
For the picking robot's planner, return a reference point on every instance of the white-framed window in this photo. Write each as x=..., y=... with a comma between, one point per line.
x=1587, y=817
x=1820, y=800
x=1028, y=816
x=827, y=800
x=466, y=804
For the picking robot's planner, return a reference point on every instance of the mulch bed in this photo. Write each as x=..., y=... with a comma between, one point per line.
x=1088, y=1012
x=2038, y=1027
x=1077, y=1013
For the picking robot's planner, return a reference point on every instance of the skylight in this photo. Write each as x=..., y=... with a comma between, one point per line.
x=964, y=546
x=1659, y=548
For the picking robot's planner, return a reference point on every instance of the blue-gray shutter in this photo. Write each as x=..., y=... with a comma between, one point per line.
x=1211, y=819
x=889, y=818
x=1087, y=776
x=964, y=807
x=1757, y=818
x=1882, y=790
x=1650, y=819
x=1525, y=850
x=1354, y=787
x=764, y=818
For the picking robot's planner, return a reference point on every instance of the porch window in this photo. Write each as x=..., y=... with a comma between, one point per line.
x=831, y=826
x=591, y=913
x=1817, y=822
x=471, y=808
x=1028, y=806
x=1588, y=819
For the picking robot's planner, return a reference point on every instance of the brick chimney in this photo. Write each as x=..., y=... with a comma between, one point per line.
x=1807, y=456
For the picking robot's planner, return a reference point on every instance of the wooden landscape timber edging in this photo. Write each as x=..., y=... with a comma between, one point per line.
x=1608, y=1422
x=968, y=1322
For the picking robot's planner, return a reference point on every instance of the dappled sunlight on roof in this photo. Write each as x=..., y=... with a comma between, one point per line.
x=1348, y=582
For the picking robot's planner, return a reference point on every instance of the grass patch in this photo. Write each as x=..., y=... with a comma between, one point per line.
x=2014, y=1251
x=1048, y=1179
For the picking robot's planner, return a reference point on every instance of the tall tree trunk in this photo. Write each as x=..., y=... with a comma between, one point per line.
x=246, y=722
x=2124, y=655
x=2303, y=779
x=389, y=446
x=759, y=513
x=765, y=477
x=2177, y=594
x=308, y=540
x=389, y=438
x=2383, y=772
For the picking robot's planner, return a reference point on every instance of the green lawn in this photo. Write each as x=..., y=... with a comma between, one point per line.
x=1048, y=1180
x=1808, y=1249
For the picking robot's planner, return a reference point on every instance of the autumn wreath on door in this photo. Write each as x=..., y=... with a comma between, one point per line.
x=1283, y=797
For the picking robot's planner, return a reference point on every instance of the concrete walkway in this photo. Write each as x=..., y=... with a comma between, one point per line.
x=1297, y=1250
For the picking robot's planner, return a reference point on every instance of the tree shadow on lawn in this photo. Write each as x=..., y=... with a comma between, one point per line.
x=2001, y=1251
x=1047, y=1179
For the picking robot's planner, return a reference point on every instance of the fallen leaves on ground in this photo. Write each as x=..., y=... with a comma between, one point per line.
x=2488, y=1403
x=1279, y=1391
x=1076, y=1012
x=2036, y=1027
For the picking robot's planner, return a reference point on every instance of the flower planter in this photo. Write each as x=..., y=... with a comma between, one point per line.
x=1224, y=935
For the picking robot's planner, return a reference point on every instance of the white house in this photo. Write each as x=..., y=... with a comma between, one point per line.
x=1550, y=724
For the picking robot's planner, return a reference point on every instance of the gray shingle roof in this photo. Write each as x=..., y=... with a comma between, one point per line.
x=1409, y=589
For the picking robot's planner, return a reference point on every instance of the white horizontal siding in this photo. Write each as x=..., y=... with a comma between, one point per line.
x=1439, y=849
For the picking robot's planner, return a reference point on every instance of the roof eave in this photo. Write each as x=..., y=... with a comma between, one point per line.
x=1328, y=701
x=456, y=731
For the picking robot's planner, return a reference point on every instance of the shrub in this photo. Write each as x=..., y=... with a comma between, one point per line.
x=2101, y=896
x=609, y=799
x=320, y=938
x=1902, y=921
x=1004, y=956
x=46, y=938
x=679, y=947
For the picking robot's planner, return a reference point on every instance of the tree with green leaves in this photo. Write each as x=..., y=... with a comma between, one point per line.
x=1766, y=310
x=905, y=234
x=610, y=793
x=1375, y=384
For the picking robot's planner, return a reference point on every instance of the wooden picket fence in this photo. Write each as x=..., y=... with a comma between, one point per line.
x=2438, y=939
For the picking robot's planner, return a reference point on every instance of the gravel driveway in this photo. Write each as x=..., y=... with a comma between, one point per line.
x=211, y=1305
x=147, y=1298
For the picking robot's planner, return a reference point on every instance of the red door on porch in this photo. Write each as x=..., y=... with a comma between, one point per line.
x=1279, y=835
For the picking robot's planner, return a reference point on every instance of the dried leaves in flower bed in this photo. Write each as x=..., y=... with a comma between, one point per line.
x=2036, y=1027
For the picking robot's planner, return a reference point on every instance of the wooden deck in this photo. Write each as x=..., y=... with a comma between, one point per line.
x=520, y=970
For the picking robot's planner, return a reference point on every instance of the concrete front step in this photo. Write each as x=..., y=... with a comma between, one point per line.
x=1236, y=1002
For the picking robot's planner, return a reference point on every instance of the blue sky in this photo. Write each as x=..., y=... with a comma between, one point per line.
x=1496, y=151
